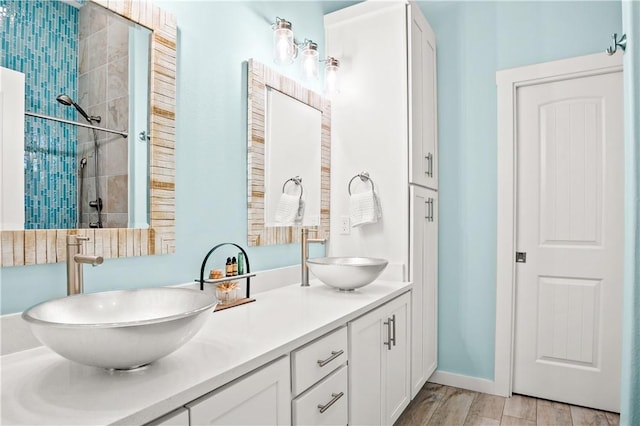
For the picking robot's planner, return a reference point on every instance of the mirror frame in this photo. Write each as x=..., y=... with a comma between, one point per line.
x=33, y=247
x=259, y=77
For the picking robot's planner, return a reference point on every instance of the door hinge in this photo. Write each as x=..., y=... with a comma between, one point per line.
x=521, y=257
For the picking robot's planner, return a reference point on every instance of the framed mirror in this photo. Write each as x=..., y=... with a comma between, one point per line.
x=289, y=158
x=38, y=246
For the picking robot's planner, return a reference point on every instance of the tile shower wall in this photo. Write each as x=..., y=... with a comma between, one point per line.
x=40, y=40
x=103, y=88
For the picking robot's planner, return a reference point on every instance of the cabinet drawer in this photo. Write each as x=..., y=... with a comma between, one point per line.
x=317, y=359
x=330, y=395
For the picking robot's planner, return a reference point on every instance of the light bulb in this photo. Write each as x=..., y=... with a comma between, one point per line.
x=283, y=46
x=309, y=61
x=331, y=77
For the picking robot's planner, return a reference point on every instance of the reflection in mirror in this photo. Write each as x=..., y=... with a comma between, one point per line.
x=292, y=149
x=87, y=64
x=289, y=136
x=40, y=246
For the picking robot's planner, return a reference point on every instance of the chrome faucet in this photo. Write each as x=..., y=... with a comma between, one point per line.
x=75, y=259
x=305, y=254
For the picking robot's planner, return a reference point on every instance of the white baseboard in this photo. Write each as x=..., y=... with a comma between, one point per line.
x=464, y=382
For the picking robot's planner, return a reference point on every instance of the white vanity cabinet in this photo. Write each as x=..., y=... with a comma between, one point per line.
x=424, y=297
x=260, y=397
x=379, y=380
x=283, y=360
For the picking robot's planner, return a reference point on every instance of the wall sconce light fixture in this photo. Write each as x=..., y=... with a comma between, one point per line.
x=331, y=80
x=284, y=48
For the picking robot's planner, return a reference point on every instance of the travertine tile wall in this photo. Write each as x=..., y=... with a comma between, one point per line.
x=104, y=89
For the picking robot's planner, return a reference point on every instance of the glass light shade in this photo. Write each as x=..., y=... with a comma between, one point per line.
x=283, y=46
x=331, y=77
x=309, y=61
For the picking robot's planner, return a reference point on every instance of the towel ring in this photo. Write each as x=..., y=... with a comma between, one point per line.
x=298, y=181
x=364, y=176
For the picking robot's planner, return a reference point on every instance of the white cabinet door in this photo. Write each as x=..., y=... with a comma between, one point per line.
x=396, y=382
x=430, y=287
x=365, y=368
x=379, y=387
x=262, y=397
x=423, y=137
x=424, y=275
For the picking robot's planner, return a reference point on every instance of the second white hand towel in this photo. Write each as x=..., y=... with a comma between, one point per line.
x=287, y=209
x=364, y=208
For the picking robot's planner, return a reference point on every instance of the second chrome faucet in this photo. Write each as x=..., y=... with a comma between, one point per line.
x=305, y=240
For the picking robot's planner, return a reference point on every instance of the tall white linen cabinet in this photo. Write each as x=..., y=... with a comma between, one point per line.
x=384, y=121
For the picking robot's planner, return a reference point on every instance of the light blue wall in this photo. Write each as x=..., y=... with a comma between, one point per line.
x=630, y=395
x=475, y=39
x=215, y=39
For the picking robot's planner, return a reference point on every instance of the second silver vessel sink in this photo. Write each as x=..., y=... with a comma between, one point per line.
x=346, y=273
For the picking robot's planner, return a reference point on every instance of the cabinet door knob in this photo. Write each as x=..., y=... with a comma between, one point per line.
x=334, y=398
x=334, y=355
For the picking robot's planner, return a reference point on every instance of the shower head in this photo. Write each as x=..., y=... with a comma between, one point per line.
x=64, y=99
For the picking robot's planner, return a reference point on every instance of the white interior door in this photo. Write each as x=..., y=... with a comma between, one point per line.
x=570, y=224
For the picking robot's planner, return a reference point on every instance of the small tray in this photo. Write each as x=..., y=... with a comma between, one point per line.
x=236, y=303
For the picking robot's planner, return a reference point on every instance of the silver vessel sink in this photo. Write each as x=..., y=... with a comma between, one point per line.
x=120, y=330
x=346, y=273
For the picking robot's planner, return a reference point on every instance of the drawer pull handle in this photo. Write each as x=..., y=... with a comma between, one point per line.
x=334, y=355
x=334, y=398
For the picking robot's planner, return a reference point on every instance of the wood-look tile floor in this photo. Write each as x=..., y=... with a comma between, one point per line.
x=438, y=405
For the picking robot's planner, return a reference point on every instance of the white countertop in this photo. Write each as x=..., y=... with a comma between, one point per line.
x=41, y=388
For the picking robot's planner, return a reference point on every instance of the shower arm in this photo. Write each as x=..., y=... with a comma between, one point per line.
x=89, y=126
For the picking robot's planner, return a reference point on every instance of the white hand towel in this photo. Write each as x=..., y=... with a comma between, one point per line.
x=287, y=209
x=378, y=207
x=364, y=208
x=300, y=212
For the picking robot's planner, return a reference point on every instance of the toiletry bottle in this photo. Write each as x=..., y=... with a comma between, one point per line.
x=234, y=265
x=228, y=268
x=240, y=263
